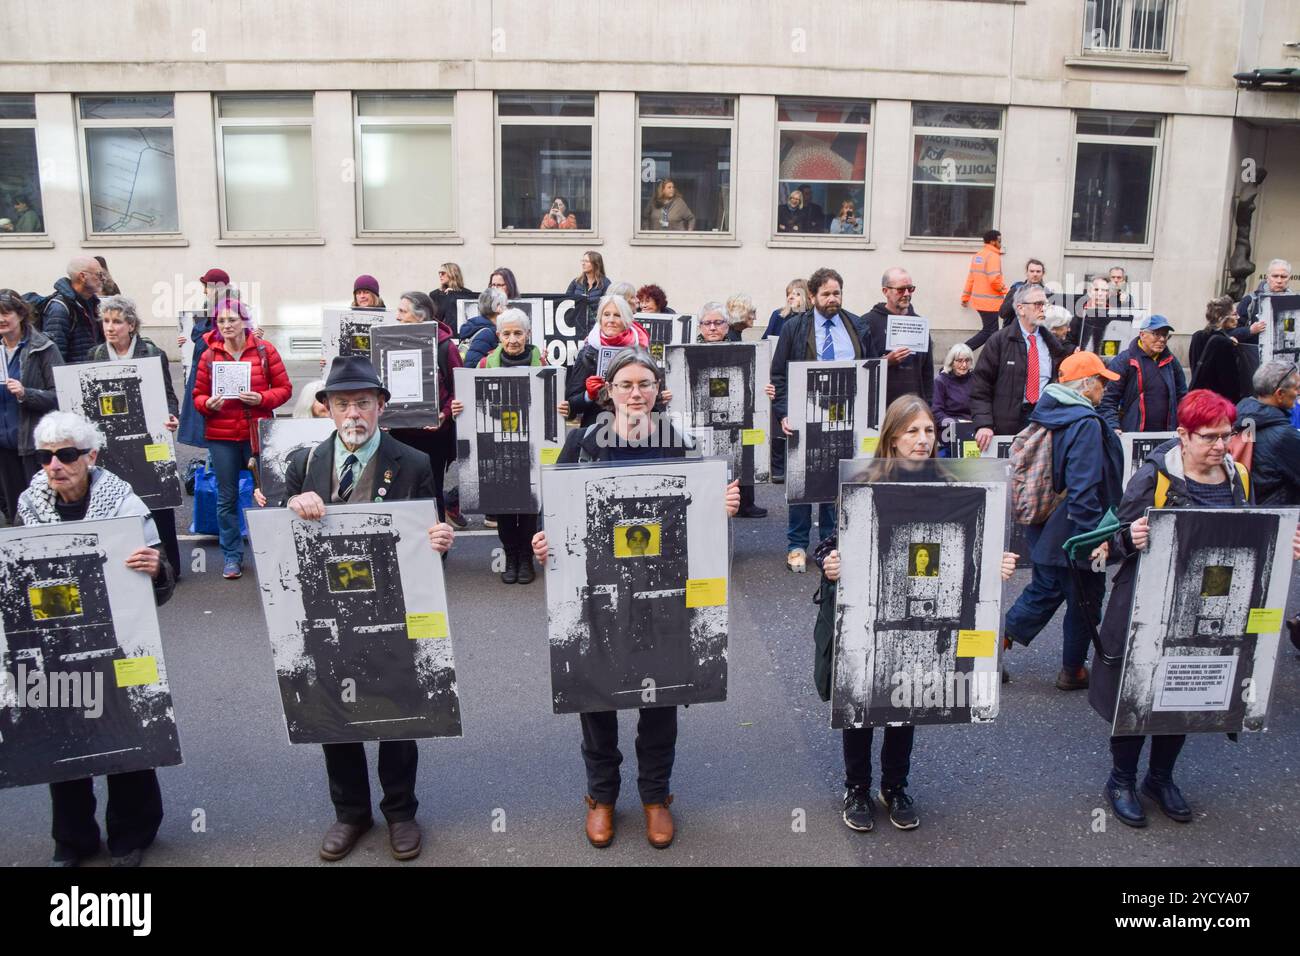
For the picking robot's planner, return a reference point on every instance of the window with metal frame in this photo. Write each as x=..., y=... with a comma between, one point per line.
x=1116, y=177
x=21, y=210
x=544, y=163
x=955, y=170
x=404, y=153
x=686, y=150
x=823, y=167
x=128, y=170
x=1142, y=27
x=267, y=176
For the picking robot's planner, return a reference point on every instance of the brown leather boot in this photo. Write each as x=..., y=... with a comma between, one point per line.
x=659, y=823
x=600, y=822
x=340, y=838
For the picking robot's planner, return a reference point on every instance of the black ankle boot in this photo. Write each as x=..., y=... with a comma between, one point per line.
x=526, y=570
x=511, y=574
x=1124, y=801
x=1162, y=789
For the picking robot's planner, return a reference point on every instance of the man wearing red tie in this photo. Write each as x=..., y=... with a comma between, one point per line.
x=1014, y=368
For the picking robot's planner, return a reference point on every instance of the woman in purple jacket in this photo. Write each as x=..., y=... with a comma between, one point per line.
x=952, y=385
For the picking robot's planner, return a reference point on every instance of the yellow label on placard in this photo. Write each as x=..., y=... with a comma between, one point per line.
x=134, y=671
x=706, y=592
x=550, y=456
x=1264, y=620
x=753, y=436
x=976, y=643
x=159, y=452
x=869, y=444
x=970, y=449
x=426, y=624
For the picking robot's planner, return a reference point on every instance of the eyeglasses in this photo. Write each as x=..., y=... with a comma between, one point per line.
x=66, y=455
x=625, y=388
x=901, y=288
x=1213, y=438
x=1036, y=303
x=362, y=405
x=712, y=324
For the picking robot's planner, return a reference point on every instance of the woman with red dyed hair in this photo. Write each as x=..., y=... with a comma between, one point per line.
x=1201, y=474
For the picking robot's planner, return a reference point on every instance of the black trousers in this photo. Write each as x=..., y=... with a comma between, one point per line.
x=15, y=475
x=778, y=454
x=516, y=532
x=989, y=321
x=440, y=447
x=895, y=757
x=1124, y=751
x=350, y=780
x=656, y=747
x=132, y=818
x=164, y=520
x=746, y=497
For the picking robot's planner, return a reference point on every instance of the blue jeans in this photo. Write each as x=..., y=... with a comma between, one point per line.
x=229, y=458
x=799, y=527
x=1037, y=604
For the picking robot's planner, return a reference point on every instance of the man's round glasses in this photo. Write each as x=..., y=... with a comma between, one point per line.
x=66, y=455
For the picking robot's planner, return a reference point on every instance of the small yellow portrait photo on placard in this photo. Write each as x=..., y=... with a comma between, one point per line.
x=350, y=574
x=112, y=403
x=636, y=540
x=923, y=560
x=50, y=601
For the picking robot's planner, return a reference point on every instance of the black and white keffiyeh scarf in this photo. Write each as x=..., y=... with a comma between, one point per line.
x=107, y=495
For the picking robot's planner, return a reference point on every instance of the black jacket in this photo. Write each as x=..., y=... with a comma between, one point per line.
x=1124, y=404
x=36, y=364
x=72, y=323
x=404, y=472
x=144, y=349
x=797, y=343
x=1103, y=685
x=1275, y=460
x=912, y=376
x=998, y=390
x=1221, y=367
x=584, y=444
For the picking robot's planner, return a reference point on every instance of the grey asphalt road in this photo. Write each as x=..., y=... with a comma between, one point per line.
x=757, y=780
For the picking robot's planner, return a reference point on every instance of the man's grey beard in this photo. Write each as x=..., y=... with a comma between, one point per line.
x=354, y=434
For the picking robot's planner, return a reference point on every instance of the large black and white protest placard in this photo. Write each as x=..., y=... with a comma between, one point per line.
x=129, y=404
x=637, y=584
x=999, y=446
x=510, y=427
x=279, y=438
x=719, y=394
x=666, y=329
x=907, y=332
x=405, y=354
x=357, y=614
x=1136, y=446
x=83, y=684
x=919, y=598
x=347, y=331
x=1209, y=599
x=835, y=411
x=1281, y=336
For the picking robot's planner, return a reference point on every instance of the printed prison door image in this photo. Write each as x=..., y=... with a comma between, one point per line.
x=917, y=606
x=638, y=612
x=501, y=431
x=1208, y=605
x=722, y=400
x=59, y=625
x=356, y=613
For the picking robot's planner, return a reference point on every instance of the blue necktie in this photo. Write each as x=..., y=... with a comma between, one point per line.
x=348, y=478
x=828, y=346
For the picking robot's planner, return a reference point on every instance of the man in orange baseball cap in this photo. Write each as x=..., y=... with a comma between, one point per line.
x=1087, y=466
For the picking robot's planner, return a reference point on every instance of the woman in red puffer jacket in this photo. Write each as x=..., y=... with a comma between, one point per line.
x=231, y=420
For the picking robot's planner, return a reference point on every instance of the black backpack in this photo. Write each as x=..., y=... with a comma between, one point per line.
x=40, y=303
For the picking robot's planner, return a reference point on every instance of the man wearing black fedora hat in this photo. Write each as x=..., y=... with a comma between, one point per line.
x=361, y=463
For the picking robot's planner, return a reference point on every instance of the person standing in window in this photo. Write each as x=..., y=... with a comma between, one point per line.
x=669, y=210
x=847, y=222
x=28, y=220
x=816, y=216
x=558, y=216
x=792, y=216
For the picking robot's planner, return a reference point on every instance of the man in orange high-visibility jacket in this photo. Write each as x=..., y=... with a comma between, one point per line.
x=985, y=287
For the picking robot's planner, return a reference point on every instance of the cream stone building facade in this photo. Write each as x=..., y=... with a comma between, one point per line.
x=299, y=144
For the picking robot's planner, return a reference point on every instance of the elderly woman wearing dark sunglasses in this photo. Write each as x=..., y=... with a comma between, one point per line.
x=70, y=487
